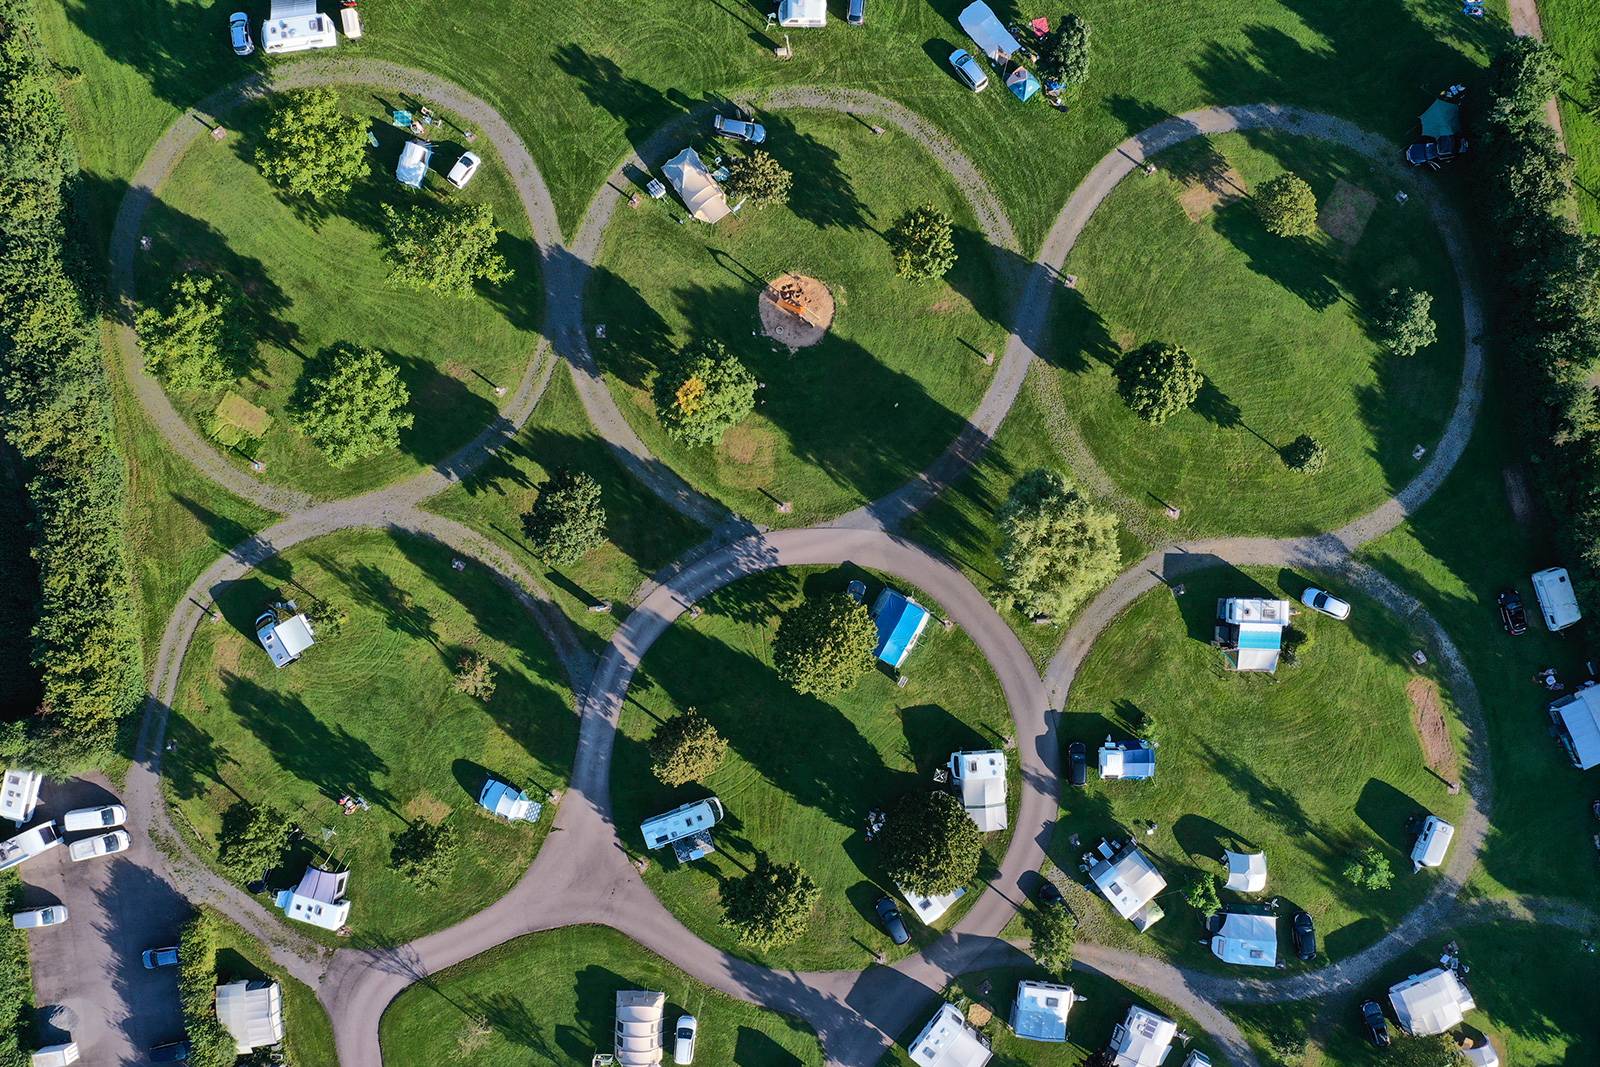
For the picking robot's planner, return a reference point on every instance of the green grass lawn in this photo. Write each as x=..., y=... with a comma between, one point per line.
x=315, y=277
x=643, y=534
x=1573, y=30
x=550, y=999
x=801, y=773
x=1089, y=1023
x=371, y=711
x=1280, y=327
x=852, y=417
x=1307, y=765
x=307, y=1033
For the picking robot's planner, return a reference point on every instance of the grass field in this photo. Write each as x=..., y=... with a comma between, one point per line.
x=307, y=1033
x=550, y=1000
x=315, y=277
x=1089, y=1023
x=1307, y=765
x=1280, y=328
x=801, y=773
x=852, y=417
x=1572, y=28
x=370, y=711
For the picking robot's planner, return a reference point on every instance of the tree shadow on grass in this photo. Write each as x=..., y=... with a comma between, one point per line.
x=1389, y=814
x=637, y=341
x=824, y=194
x=640, y=107
x=754, y=599
x=990, y=276
x=1299, y=265
x=1202, y=839
x=1078, y=335
x=755, y=1049
x=518, y=1024
x=178, y=67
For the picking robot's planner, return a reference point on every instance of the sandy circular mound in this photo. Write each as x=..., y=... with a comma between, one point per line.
x=796, y=310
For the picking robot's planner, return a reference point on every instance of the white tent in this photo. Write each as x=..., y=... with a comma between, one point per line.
x=1248, y=940
x=929, y=909
x=639, y=1015
x=982, y=778
x=508, y=803
x=1143, y=1039
x=947, y=1041
x=252, y=1012
x=1247, y=871
x=1482, y=1055
x=1130, y=881
x=1578, y=716
x=699, y=190
x=318, y=899
x=980, y=23
x=1431, y=1003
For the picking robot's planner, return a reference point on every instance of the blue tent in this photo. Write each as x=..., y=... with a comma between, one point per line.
x=900, y=622
x=1022, y=83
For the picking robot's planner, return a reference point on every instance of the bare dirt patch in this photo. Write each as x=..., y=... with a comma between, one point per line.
x=426, y=807
x=1205, y=193
x=1517, y=495
x=747, y=455
x=796, y=310
x=1345, y=213
x=1427, y=716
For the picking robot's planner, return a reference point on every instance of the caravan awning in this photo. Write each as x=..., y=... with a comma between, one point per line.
x=1431, y=1003
x=699, y=191
x=1580, y=718
x=987, y=33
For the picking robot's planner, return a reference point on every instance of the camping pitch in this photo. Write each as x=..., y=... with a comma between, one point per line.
x=698, y=189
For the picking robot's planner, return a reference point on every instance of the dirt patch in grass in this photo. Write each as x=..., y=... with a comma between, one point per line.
x=426, y=807
x=1517, y=495
x=1427, y=716
x=1205, y=193
x=229, y=653
x=746, y=455
x=1346, y=212
x=796, y=310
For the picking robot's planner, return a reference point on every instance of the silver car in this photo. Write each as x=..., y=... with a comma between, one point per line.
x=969, y=70
x=739, y=129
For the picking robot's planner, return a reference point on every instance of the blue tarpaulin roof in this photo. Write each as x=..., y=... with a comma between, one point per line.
x=900, y=622
x=1260, y=637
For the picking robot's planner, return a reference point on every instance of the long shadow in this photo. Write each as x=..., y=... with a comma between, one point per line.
x=637, y=341
x=1388, y=813
x=824, y=194
x=136, y=899
x=20, y=684
x=178, y=67
x=641, y=108
x=1079, y=336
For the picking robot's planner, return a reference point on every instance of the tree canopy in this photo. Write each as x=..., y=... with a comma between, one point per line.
x=352, y=404
x=253, y=840
x=1058, y=547
x=310, y=147
x=1202, y=894
x=1054, y=932
x=771, y=906
x=686, y=748
x=923, y=242
x=758, y=178
x=1065, y=54
x=824, y=644
x=1287, y=206
x=1405, y=322
x=1305, y=455
x=444, y=248
x=567, y=519
x=201, y=336
x=425, y=852
x=703, y=392
x=1369, y=869
x=930, y=844
x=1158, y=380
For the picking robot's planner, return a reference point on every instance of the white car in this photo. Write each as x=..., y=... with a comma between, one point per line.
x=103, y=818
x=54, y=915
x=969, y=70
x=465, y=168
x=99, y=845
x=1325, y=602
x=683, y=1039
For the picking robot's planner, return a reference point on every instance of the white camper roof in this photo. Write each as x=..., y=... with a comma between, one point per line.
x=1580, y=718
x=1430, y=1003
x=284, y=641
x=318, y=899
x=695, y=817
x=1040, y=1011
x=639, y=1015
x=1130, y=881
x=19, y=796
x=947, y=1041
x=982, y=777
x=1143, y=1039
x=699, y=190
x=252, y=1012
x=1247, y=871
x=803, y=13
x=980, y=23
x=299, y=32
x=1248, y=940
x=1557, y=602
x=1240, y=609
x=1432, y=843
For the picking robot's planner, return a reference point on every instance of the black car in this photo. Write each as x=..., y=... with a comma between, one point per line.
x=1050, y=894
x=1077, y=764
x=893, y=925
x=171, y=1052
x=1512, y=614
x=1305, y=936
x=1376, y=1026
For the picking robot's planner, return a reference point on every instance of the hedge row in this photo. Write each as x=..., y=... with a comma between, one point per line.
x=210, y=1044
x=54, y=410
x=16, y=982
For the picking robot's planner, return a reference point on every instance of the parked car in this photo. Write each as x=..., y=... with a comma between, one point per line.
x=893, y=925
x=1373, y=1022
x=99, y=845
x=160, y=957
x=857, y=590
x=1325, y=602
x=969, y=70
x=239, y=34
x=54, y=915
x=101, y=818
x=464, y=169
x=55, y=1055
x=1513, y=616
x=171, y=1052
x=739, y=129
x=1077, y=764
x=683, y=1039
x=1050, y=894
x=1305, y=936
x=1437, y=152
x=856, y=14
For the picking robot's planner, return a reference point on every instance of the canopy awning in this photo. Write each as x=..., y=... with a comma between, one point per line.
x=1247, y=871
x=1442, y=119
x=980, y=23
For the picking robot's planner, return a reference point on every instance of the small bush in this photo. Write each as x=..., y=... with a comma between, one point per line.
x=1369, y=869
x=923, y=242
x=474, y=676
x=425, y=853
x=1054, y=932
x=1305, y=455
x=1287, y=206
x=1158, y=380
x=1202, y=895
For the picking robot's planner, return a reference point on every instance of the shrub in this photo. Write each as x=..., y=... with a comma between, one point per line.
x=771, y=906
x=923, y=242
x=567, y=519
x=425, y=852
x=474, y=676
x=1054, y=931
x=824, y=644
x=686, y=748
x=1065, y=54
x=352, y=404
x=1158, y=380
x=310, y=147
x=1058, y=548
x=443, y=248
x=703, y=392
x=930, y=845
x=16, y=980
x=1405, y=322
x=253, y=840
x=1304, y=455
x=210, y=1043
x=1287, y=206
x=759, y=179
x=1369, y=869
x=1202, y=894
x=1295, y=643
x=202, y=335
x=1439, y=1050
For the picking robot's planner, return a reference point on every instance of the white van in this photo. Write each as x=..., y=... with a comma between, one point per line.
x=1432, y=843
x=1557, y=602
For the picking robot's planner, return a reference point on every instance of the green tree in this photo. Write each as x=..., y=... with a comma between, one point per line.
x=1054, y=931
x=759, y=179
x=771, y=906
x=210, y=1043
x=1065, y=55
x=474, y=676
x=1438, y=1050
x=425, y=852
x=824, y=644
x=930, y=845
x=686, y=748
x=923, y=243
x=444, y=248
x=1158, y=380
x=567, y=519
x=1287, y=206
x=201, y=336
x=1369, y=869
x=351, y=403
x=1202, y=894
x=1524, y=75
x=703, y=392
x=1058, y=547
x=310, y=147
x=1405, y=322
x=253, y=841
x=1304, y=455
